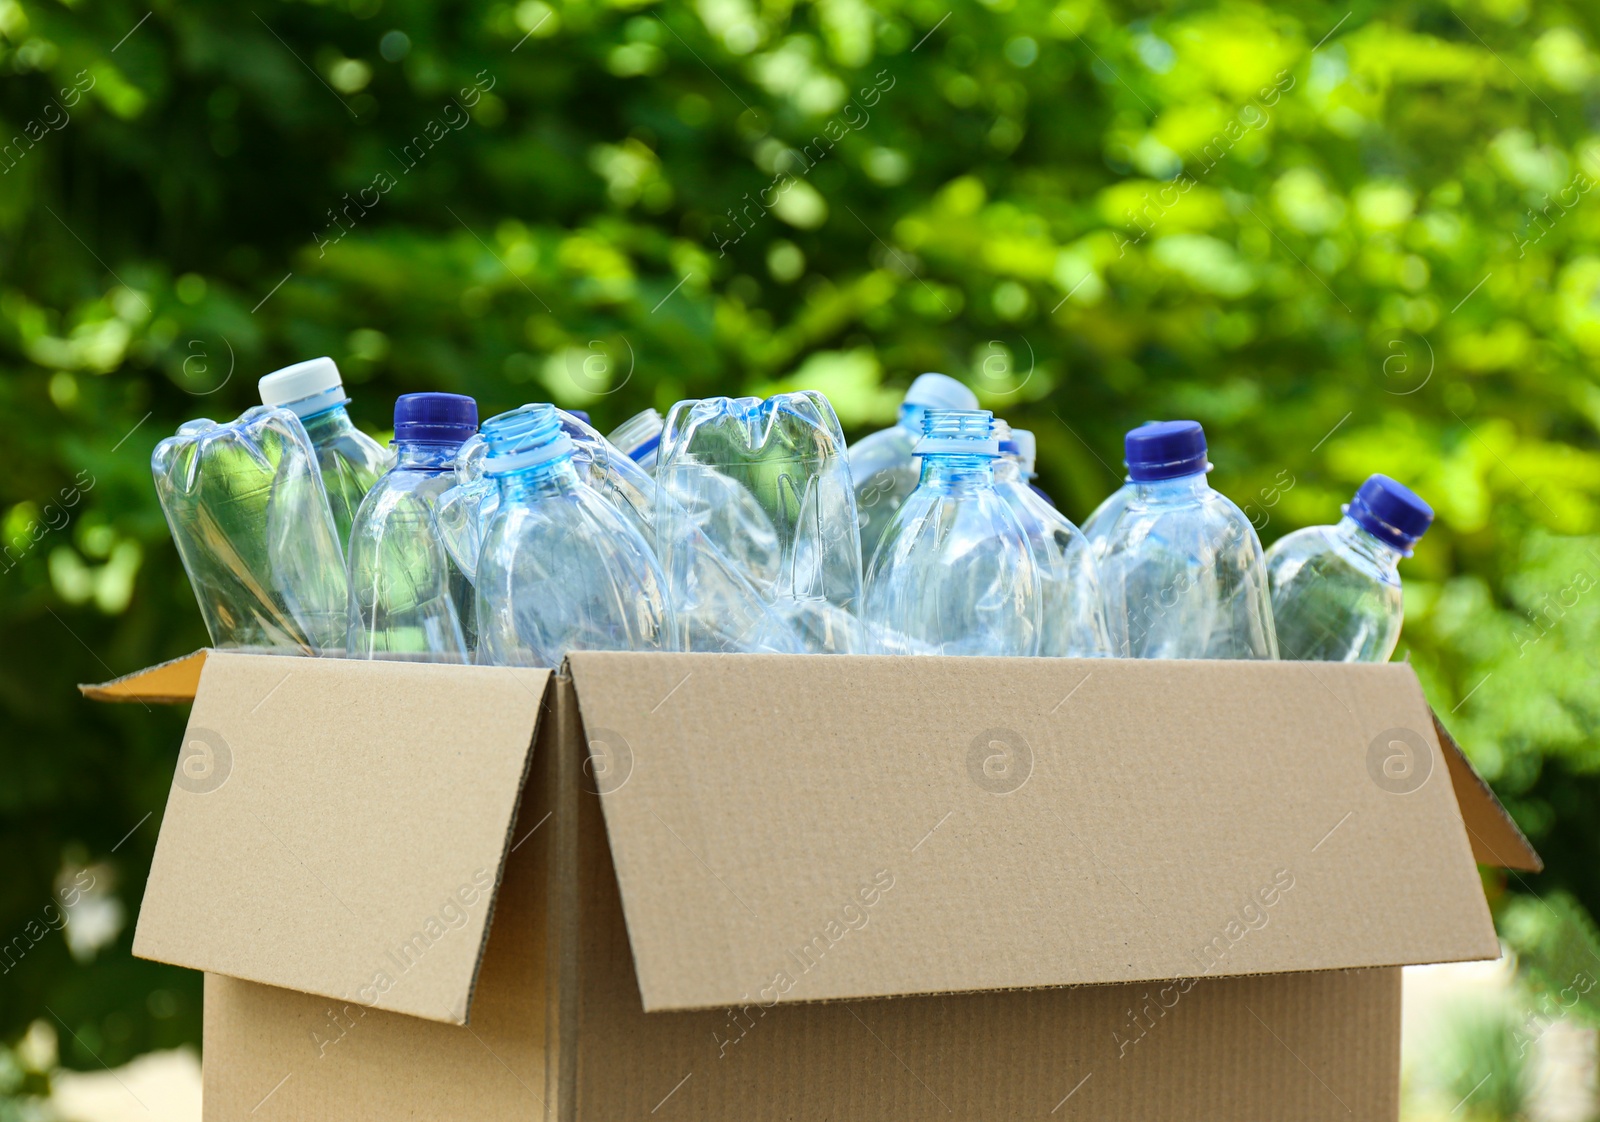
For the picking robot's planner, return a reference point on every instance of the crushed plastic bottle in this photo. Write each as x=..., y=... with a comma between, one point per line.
x=1336, y=589
x=768, y=482
x=249, y=515
x=409, y=599
x=883, y=464
x=639, y=437
x=1072, y=608
x=561, y=569
x=954, y=573
x=1181, y=560
x=462, y=513
x=350, y=460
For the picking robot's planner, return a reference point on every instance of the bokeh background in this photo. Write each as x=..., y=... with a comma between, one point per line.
x=1345, y=238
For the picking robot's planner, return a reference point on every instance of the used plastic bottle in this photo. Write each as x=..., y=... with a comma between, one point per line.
x=409, y=599
x=884, y=466
x=249, y=515
x=768, y=482
x=350, y=460
x=1181, y=560
x=953, y=572
x=1024, y=448
x=640, y=438
x=1336, y=589
x=561, y=570
x=1072, y=608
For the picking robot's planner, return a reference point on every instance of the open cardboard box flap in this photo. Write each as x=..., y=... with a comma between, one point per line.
x=823, y=828
x=846, y=827
x=339, y=827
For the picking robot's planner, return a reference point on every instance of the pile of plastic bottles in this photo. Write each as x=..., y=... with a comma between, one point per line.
x=743, y=525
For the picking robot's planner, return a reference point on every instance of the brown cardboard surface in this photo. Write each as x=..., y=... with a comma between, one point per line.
x=274, y=1055
x=1496, y=839
x=1019, y=823
x=339, y=827
x=166, y=683
x=1322, y=1046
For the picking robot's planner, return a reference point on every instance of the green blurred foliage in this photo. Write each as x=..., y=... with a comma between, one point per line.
x=1347, y=240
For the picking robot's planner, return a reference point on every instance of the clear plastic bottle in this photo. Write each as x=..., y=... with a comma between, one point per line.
x=767, y=481
x=249, y=515
x=883, y=464
x=1072, y=608
x=1025, y=449
x=561, y=570
x=350, y=460
x=953, y=572
x=1182, y=560
x=640, y=438
x=719, y=506
x=409, y=599
x=1336, y=589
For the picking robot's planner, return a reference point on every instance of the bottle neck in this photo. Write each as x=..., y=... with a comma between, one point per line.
x=1367, y=546
x=327, y=422
x=553, y=477
x=425, y=455
x=1183, y=488
x=958, y=473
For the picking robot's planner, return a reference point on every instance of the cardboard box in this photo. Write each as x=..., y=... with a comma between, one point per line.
x=775, y=887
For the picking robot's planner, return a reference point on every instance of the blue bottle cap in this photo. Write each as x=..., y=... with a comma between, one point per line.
x=435, y=418
x=1165, y=450
x=1391, y=512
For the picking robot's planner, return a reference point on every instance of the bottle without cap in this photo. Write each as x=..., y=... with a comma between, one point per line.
x=767, y=481
x=953, y=573
x=1336, y=589
x=349, y=459
x=561, y=569
x=1180, y=560
x=249, y=515
x=1072, y=608
x=883, y=465
x=408, y=597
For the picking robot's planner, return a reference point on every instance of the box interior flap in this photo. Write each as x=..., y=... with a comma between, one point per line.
x=170, y=682
x=339, y=827
x=1496, y=839
x=806, y=828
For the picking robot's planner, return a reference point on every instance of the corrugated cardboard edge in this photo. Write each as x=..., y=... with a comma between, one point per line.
x=1496, y=839
x=565, y=752
x=166, y=683
x=505, y=848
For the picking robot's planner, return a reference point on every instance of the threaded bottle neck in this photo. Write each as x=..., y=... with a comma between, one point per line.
x=526, y=442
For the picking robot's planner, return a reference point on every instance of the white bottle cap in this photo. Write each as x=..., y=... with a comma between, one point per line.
x=940, y=391
x=303, y=380
x=1027, y=449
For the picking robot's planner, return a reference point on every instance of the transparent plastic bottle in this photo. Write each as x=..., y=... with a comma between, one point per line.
x=639, y=437
x=1336, y=589
x=409, y=599
x=561, y=569
x=1023, y=447
x=767, y=481
x=953, y=572
x=462, y=513
x=1072, y=608
x=350, y=460
x=249, y=515
x=883, y=464
x=1182, y=560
